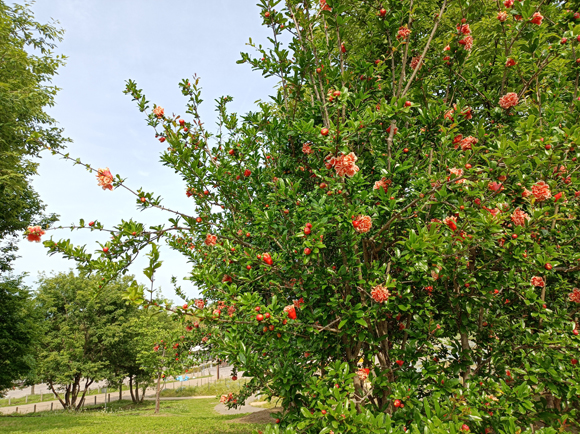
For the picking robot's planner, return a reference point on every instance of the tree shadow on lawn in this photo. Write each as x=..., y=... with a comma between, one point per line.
x=191, y=416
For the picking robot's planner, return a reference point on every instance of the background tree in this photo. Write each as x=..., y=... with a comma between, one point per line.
x=164, y=349
x=392, y=243
x=27, y=65
x=18, y=330
x=78, y=332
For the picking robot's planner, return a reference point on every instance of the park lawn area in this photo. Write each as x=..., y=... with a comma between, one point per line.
x=192, y=416
x=219, y=387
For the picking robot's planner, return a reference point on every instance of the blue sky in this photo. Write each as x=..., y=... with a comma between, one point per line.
x=156, y=43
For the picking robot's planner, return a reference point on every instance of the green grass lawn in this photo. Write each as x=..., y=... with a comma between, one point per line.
x=192, y=416
x=217, y=388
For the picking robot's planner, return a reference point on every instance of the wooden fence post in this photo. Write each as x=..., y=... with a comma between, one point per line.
x=34, y=408
x=51, y=404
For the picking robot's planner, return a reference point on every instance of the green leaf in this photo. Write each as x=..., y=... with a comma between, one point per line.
x=427, y=408
x=362, y=322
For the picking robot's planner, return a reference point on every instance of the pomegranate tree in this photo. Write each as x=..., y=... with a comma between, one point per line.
x=403, y=214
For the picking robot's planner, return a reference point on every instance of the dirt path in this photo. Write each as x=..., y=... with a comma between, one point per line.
x=257, y=414
x=247, y=408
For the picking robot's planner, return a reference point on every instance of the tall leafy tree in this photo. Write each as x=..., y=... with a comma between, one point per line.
x=27, y=65
x=26, y=70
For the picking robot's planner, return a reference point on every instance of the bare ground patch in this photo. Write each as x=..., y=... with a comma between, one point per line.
x=258, y=417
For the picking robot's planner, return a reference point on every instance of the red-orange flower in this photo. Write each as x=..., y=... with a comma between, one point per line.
x=329, y=161
x=290, y=311
x=541, y=191
x=306, y=148
x=267, y=258
x=384, y=183
x=495, y=186
x=105, y=179
x=451, y=222
x=537, y=18
x=403, y=32
x=33, y=233
x=574, y=296
x=210, y=240
x=464, y=28
x=363, y=373
x=415, y=63
x=324, y=6
x=494, y=212
x=345, y=165
x=380, y=294
x=538, y=281
x=158, y=111
x=467, y=142
x=560, y=170
x=509, y=100
x=458, y=174
x=362, y=224
x=519, y=217
x=298, y=303
x=467, y=42
x=502, y=16
x=199, y=304
x=231, y=311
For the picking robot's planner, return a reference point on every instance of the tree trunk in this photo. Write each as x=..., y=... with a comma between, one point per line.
x=143, y=390
x=158, y=392
x=66, y=396
x=120, y=390
x=131, y=388
x=56, y=394
x=81, y=402
x=136, y=391
x=75, y=391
